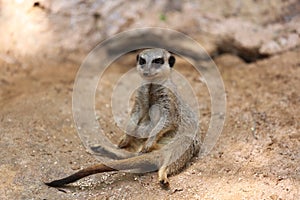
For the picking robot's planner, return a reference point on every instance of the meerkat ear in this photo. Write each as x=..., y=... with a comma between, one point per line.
x=137, y=57
x=171, y=61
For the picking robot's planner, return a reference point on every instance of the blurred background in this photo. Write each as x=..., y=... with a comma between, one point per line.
x=66, y=30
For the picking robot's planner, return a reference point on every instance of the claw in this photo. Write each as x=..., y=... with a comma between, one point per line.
x=124, y=142
x=164, y=184
x=145, y=150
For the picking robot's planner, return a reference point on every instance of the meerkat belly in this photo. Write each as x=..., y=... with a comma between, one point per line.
x=154, y=113
x=162, y=102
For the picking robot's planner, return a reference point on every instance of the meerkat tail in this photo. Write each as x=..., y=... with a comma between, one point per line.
x=80, y=174
x=142, y=162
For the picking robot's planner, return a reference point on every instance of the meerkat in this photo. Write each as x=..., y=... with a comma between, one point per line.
x=158, y=111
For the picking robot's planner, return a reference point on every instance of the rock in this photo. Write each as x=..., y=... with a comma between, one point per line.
x=270, y=48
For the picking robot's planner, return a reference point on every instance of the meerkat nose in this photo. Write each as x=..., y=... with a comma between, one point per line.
x=146, y=73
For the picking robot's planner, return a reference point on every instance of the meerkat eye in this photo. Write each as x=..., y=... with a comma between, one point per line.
x=158, y=61
x=142, y=61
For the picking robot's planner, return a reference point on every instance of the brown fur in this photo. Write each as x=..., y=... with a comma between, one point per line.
x=160, y=111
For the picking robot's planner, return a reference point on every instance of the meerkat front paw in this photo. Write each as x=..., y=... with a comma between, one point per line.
x=148, y=147
x=145, y=150
x=125, y=141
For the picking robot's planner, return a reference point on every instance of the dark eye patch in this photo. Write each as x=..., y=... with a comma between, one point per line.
x=171, y=61
x=158, y=61
x=142, y=61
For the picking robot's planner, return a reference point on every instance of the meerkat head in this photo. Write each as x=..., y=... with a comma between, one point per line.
x=155, y=64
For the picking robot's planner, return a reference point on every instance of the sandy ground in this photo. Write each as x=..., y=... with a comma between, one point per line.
x=256, y=157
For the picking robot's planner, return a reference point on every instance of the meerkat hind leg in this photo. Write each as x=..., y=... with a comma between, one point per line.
x=163, y=177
